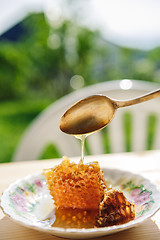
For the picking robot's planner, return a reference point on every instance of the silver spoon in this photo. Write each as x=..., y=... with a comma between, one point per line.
x=95, y=112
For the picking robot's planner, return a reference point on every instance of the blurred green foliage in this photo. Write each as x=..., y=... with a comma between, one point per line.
x=45, y=58
x=14, y=118
x=36, y=70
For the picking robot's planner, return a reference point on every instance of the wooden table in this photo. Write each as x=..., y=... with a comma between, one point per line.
x=146, y=164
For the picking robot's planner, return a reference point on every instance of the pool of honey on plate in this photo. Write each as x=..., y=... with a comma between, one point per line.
x=72, y=218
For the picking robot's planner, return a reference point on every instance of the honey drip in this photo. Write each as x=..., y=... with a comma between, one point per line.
x=82, y=138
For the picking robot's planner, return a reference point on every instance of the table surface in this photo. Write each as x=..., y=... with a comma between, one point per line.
x=145, y=163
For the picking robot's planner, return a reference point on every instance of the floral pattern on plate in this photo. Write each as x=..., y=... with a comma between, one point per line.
x=22, y=198
x=141, y=197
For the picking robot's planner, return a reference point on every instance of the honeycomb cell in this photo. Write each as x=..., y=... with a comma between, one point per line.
x=74, y=185
x=114, y=209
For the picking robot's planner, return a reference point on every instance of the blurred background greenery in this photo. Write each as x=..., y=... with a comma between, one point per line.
x=43, y=62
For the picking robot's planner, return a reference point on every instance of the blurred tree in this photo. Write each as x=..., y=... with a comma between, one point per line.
x=44, y=59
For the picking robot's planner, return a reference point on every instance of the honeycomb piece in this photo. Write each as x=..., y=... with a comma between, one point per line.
x=114, y=209
x=76, y=185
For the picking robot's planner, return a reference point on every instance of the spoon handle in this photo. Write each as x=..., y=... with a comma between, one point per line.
x=140, y=99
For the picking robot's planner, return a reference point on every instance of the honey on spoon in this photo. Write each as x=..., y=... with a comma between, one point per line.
x=95, y=112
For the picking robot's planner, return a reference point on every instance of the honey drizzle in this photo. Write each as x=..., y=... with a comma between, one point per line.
x=82, y=138
x=82, y=148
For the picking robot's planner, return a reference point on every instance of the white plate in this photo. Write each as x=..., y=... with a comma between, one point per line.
x=28, y=202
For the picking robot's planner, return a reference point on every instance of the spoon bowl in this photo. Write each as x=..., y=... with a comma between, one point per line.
x=95, y=112
x=88, y=115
